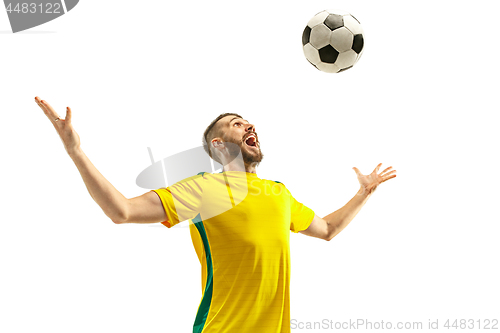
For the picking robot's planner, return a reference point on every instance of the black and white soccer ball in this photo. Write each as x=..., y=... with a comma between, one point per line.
x=333, y=41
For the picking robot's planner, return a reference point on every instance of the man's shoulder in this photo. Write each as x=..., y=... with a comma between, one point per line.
x=204, y=174
x=192, y=179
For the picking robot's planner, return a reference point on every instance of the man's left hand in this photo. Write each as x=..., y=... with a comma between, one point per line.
x=370, y=182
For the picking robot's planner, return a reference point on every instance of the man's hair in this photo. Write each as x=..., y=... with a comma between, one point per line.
x=214, y=130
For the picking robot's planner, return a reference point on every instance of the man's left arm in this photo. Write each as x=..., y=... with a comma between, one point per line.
x=331, y=225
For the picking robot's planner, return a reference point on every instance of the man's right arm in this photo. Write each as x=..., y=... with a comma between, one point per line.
x=146, y=208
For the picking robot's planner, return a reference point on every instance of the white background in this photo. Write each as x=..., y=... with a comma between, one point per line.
x=422, y=98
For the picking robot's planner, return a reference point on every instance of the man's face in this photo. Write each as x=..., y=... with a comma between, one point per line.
x=242, y=133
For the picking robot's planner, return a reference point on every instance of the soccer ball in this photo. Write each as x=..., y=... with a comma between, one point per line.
x=333, y=41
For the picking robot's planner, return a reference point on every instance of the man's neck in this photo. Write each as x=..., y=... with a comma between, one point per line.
x=237, y=167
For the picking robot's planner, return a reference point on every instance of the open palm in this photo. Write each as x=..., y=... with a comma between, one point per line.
x=370, y=182
x=64, y=127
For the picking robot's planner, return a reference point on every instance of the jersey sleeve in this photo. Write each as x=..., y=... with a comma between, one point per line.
x=301, y=216
x=182, y=200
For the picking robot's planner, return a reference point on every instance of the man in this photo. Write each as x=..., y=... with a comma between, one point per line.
x=239, y=224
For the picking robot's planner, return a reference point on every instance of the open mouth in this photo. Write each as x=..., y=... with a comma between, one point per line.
x=251, y=141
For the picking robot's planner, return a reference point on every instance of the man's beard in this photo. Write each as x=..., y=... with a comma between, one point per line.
x=249, y=158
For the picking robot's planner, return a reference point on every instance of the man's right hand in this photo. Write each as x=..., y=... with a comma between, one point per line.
x=66, y=132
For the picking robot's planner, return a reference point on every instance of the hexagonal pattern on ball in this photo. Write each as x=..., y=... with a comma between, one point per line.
x=352, y=24
x=341, y=39
x=311, y=54
x=346, y=59
x=317, y=19
x=329, y=68
x=333, y=41
x=334, y=21
x=320, y=36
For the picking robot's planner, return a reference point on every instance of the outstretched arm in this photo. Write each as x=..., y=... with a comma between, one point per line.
x=146, y=208
x=111, y=201
x=331, y=225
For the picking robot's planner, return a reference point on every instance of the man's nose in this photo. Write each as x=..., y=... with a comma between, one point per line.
x=250, y=127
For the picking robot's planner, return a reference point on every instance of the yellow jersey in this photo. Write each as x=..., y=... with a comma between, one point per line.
x=240, y=227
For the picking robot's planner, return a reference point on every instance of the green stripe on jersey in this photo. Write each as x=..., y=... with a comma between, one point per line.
x=202, y=314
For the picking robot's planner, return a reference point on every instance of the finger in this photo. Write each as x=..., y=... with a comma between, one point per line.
x=39, y=102
x=385, y=170
x=378, y=167
x=50, y=112
x=357, y=171
x=387, y=174
x=388, y=178
x=68, y=115
x=44, y=109
x=48, y=107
